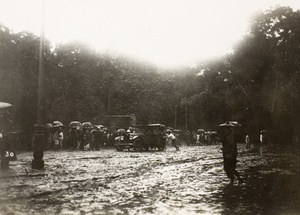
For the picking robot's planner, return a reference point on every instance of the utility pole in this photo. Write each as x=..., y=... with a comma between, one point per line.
x=185, y=106
x=175, y=124
x=38, y=149
x=186, y=115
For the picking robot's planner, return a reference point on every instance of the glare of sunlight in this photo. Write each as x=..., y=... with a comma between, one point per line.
x=165, y=32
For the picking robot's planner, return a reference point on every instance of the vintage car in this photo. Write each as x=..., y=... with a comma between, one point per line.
x=144, y=138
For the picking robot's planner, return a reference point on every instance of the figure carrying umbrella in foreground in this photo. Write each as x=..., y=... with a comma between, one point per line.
x=229, y=149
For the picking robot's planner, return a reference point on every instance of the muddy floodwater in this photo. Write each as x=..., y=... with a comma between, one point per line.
x=190, y=181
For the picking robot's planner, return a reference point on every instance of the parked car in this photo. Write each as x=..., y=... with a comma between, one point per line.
x=144, y=138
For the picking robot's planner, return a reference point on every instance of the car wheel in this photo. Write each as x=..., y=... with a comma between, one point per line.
x=162, y=144
x=138, y=145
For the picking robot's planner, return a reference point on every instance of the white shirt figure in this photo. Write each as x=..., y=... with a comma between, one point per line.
x=247, y=140
x=198, y=138
x=60, y=138
x=171, y=139
x=171, y=136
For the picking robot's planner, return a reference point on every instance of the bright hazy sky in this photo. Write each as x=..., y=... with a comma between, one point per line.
x=165, y=32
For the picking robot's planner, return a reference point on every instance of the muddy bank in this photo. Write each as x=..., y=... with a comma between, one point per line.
x=191, y=181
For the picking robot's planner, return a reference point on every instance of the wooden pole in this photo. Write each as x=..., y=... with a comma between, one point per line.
x=38, y=148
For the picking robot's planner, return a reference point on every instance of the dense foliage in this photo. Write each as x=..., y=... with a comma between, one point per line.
x=257, y=84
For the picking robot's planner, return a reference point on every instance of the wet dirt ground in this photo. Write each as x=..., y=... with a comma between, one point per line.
x=189, y=181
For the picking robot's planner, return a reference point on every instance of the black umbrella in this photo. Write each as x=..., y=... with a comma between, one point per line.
x=235, y=123
x=57, y=124
x=75, y=124
x=87, y=125
x=230, y=124
x=200, y=130
x=121, y=130
x=48, y=125
x=99, y=126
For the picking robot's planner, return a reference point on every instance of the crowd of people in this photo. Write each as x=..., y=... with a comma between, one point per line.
x=78, y=137
x=87, y=136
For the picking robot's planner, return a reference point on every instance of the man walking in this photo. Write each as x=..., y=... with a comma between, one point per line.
x=247, y=141
x=229, y=149
x=171, y=138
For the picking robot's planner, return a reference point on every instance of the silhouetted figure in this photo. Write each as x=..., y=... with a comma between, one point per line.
x=72, y=139
x=82, y=138
x=229, y=149
x=95, y=139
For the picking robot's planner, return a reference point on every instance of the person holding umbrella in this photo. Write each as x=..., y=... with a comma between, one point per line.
x=229, y=149
x=95, y=138
x=58, y=135
x=87, y=136
x=73, y=136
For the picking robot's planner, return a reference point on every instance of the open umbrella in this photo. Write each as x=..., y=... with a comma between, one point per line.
x=226, y=125
x=121, y=130
x=200, y=130
x=94, y=130
x=48, y=125
x=177, y=130
x=99, y=126
x=87, y=125
x=4, y=105
x=234, y=123
x=57, y=124
x=74, y=124
x=230, y=124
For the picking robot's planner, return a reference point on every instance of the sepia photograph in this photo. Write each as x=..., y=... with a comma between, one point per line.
x=149, y=107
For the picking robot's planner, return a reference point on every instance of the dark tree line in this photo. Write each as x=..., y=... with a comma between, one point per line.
x=257, y=84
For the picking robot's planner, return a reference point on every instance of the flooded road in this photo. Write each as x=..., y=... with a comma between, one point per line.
x=190, y=181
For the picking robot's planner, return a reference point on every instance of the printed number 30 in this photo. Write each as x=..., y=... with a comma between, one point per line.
x=9, y=154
